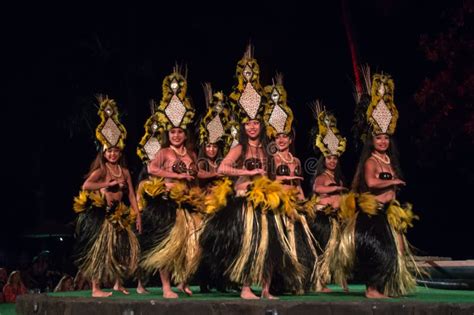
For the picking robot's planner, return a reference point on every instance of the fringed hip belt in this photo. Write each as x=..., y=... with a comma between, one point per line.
x=106, y=247
x=118, y=213
x=191, y=199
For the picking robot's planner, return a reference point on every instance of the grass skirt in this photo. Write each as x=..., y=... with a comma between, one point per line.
x=246, y=242
x=171, y=225
x=373, y=245
x=106, y=248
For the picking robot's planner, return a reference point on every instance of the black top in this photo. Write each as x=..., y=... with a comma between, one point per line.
x=252, y=164
x=385, y=176
x=179, y=167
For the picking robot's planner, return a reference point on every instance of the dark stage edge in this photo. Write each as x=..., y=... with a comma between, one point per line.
x=425, y=301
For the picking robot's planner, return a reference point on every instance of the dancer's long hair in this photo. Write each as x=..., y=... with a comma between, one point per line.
x=243, y=140
x=99, y=163
x=321, y=167
x=358, y=183
x=203, y=158
x=271, y=170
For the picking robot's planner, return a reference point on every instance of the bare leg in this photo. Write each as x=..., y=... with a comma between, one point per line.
x=118, y=287
x=183, y=287
x=345, y=287
x=97, y=292
x=247, y=294
x=373, y=293
x=266, y=290
x=165, y=280
x=141, y=288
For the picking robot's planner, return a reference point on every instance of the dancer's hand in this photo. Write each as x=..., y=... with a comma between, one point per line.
x=257, y=171
x=138, y=223
x=185, y=176
x=399, y=182
x=290, y=178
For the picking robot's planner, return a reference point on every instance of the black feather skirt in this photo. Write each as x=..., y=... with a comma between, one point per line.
x=170, y=231
x=245, y=245
x=106, y=248
x=375, y=250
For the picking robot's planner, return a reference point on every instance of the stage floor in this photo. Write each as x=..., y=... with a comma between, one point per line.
x=425, y=300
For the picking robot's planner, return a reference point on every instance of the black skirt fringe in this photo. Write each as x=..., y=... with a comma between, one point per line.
x=105, y=250
x=242, y=245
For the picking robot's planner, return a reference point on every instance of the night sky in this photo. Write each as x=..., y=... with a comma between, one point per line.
x=58, y=58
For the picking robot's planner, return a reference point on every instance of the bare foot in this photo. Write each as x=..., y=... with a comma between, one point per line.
x=325, y=290
x=185, y=289
x=267, y=295
x=142, y=290
x=374, y=294
x=170, y=295
x=121, y=289
x=345, y=287
x=247, y=294
x=100, y=293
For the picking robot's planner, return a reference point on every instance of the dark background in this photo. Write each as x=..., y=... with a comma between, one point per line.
x=58, y=57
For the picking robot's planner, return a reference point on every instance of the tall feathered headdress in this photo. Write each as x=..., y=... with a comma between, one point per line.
x=214, y=126
x=328, y=140
x=382, y=114
x=278, y=116
x=246, y=97
x=175, y=109
x=150, y=143
x=375, y=111
x=110, y=132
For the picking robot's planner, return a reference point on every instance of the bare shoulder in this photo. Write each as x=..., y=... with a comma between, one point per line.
x=321, y=179
x=236, y=150
x=370, y=165
x=126, y=171
x=370, y=162
x=297, y=161
x=95, y=174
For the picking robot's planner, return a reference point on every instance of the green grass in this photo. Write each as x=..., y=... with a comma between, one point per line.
x=356, y=295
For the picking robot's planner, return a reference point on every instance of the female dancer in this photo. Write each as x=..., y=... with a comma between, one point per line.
x=286, y=168
x=214, y=137
x=169, y=200
x=246, y=242
x=381, y=250
x=106, y=247
x=328, y=187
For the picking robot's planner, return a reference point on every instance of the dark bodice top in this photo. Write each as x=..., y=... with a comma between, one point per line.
x=117, y=188
x=179, y=167
x=252, y=164
x=284, y=170
x=385, y=175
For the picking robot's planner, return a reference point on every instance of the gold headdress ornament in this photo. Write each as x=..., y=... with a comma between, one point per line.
x=246, y=96
x=278, y=116
x=382, y=114
x=328, y=139
x=151, y=141
x=110, y=132
x=215, y=124
x=175, y=110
